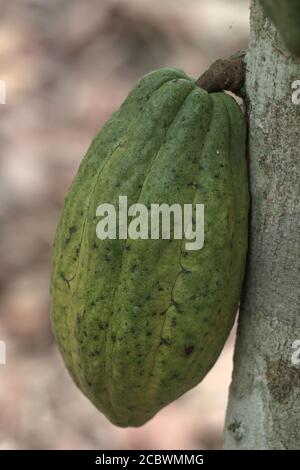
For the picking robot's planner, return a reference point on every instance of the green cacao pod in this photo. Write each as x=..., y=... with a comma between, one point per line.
x=140, y=322
x=285, y=14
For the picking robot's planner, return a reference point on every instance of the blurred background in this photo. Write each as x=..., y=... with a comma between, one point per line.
x=67, y=66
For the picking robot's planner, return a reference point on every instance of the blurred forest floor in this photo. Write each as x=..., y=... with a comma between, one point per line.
x=68, y=65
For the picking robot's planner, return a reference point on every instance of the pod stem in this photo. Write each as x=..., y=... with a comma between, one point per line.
x=225, y=74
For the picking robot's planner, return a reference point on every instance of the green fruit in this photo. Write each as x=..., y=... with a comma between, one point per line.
x=286, y=16
x=140, y=322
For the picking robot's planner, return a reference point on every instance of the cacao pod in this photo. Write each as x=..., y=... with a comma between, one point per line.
x=140, y=322
x=285, y=14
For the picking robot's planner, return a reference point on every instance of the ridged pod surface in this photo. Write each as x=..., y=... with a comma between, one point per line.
x=140, y=322
x=285, y=14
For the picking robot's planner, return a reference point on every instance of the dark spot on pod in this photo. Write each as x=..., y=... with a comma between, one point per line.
x=188, y=350
x=127, y=247
x=72, y=230
x=149, y=333
x=133, y=268
x=165, y=341
x=95, y=246
x=101, y=326
x=160, y=288
x=176, y=305
x=94, y=353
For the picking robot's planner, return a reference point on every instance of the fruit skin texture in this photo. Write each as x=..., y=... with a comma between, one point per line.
x=285, y=14
x=140, y=322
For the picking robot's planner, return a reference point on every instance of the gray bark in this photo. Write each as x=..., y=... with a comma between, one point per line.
x=264, y=402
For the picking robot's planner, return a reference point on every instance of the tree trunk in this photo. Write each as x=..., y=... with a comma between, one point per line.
x=264, y=402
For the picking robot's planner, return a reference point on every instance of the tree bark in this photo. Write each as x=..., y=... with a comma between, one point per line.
x=264, y=402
